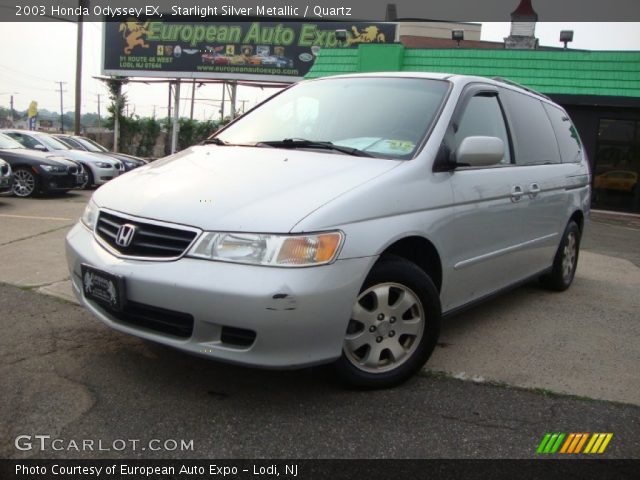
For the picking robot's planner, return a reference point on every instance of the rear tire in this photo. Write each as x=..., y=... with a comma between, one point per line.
x=394, y=326
x=566, y=260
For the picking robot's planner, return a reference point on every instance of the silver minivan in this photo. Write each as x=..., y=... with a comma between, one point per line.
x=339, y=222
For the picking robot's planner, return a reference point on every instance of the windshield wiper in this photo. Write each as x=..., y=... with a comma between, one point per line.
x=303, y=143
x=214, y=141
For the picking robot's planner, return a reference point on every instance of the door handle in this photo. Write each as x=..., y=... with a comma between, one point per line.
x=534, y=190
x=516, y=193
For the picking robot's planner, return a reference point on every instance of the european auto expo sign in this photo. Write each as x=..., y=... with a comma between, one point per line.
x=278, y=51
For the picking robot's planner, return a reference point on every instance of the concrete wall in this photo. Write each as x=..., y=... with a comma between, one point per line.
x=437, y=29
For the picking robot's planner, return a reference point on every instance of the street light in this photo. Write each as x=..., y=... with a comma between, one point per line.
x=566, y=36
x=457, y=35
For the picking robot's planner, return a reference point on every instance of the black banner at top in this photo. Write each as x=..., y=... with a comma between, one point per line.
x=322, y=10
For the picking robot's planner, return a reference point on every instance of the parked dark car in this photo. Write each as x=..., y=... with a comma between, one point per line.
x=38, y=172
x=100, y=168
x=6, y=177
x=78, y=142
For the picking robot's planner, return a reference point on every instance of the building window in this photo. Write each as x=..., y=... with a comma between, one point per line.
x=617, y=167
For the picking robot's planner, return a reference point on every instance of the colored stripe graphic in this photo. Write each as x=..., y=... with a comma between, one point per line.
x=543, y=443
x=598, y=442
x=573, y=443
x=551, y=443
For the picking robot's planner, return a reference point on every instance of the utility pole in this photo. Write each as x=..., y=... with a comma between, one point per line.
x=61, y=107
x=169, y=103
x=193, y=96
x=99, y=117
x=11, y=111
x=78, y=113
x=224, y=89
x=176, y=119
x=233, y=88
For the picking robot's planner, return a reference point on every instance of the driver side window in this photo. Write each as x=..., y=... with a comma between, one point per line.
x=483, y=117
x=25, y=140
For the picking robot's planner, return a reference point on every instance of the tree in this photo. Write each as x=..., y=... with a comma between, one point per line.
x=116, y=108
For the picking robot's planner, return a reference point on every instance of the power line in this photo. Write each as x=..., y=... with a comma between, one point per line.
x=42, y=79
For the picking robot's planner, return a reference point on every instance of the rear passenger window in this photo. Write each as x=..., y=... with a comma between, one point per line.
x=483, y=117
x=566, y=133
x=533, y=136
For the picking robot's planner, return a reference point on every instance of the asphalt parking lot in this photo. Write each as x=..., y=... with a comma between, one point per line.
x=503, y=374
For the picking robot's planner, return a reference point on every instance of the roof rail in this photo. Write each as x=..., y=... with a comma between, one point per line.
x=515, y=84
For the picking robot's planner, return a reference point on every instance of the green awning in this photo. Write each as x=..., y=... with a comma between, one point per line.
x=610, y=73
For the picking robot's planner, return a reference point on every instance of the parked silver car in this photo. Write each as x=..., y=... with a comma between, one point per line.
x=338, y=222
x=99, y=168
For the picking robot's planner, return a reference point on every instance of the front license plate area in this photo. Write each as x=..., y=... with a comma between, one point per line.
x=102, y=287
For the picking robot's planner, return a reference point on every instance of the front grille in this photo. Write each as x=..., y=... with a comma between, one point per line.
x=237, y=336
x=4, y=170
x=149, y=240
x=66, y=182
x=169, y=322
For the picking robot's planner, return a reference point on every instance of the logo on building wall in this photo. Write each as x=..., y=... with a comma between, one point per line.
x=370, y=34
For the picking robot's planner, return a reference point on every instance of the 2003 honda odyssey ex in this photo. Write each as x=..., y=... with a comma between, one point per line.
x=338, y=222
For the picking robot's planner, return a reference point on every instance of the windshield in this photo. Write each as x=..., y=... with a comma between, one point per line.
x=52, y=142
x=385, y=117
x=8, y=142
x=90, y=145
x=69, y=142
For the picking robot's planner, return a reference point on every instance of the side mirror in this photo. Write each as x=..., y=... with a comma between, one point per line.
x=480, y=151
x=40, y=147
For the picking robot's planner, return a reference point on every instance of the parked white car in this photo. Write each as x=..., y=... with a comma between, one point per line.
x=100, y=168
x=338, y=223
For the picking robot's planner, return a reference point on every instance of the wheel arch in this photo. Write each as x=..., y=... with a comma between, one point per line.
x=578, y=217
x=421, y=252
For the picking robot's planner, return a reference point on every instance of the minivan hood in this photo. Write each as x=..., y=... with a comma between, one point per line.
x=231, y=188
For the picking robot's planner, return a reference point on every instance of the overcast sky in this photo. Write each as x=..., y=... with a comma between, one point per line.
x=34, y=56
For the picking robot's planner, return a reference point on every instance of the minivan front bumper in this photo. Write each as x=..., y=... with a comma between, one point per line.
x=298, y=315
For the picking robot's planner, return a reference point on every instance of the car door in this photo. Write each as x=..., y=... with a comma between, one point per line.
x=545, y=173
x=485, y=248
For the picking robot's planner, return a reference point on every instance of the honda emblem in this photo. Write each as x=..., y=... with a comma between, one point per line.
x=125, y=235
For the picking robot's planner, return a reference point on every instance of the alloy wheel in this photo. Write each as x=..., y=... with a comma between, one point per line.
x=387, y=324
x=24, y=183
x=569, y=253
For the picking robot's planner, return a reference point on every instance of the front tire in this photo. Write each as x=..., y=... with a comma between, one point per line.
x=25, y=183
x=566, y=260
x=89, y=182
x=394, y=326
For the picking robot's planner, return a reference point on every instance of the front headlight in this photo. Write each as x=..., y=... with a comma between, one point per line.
x=90, y=215
x=103, y=165
x=53, y=168
x=266, y=249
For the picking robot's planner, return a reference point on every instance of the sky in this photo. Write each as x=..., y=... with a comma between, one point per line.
x=42, y=54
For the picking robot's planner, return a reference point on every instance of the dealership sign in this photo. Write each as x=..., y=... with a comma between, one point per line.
x=265, y=51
